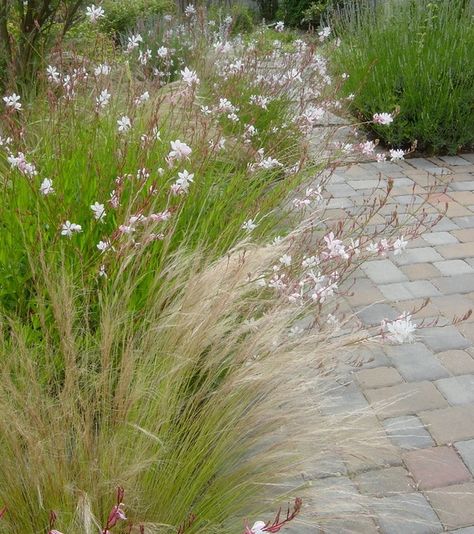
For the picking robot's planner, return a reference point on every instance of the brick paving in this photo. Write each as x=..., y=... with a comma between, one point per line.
x=422, y=394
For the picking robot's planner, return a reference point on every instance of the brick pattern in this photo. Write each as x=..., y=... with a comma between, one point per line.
x=421, y=394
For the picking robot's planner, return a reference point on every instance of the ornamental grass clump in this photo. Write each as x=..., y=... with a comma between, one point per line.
x=415, y=57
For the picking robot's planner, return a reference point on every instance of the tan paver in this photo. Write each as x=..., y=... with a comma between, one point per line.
x=405, y=399
x=457, y=362
x=448, y=425
x=379, y=377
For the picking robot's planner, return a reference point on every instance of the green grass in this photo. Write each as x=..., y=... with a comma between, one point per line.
x=415, y=56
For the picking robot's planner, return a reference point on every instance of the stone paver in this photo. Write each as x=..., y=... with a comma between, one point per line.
x=405, y=399
x=436, y=467
x=384, y=482
x=466, y=450
x=457, y=362
x=457, y=389
x=410, y=513
x=408, y=432
x=422, y=394
x=454, y=505
x=378, y=377
x=448, y=425
x=416, y=362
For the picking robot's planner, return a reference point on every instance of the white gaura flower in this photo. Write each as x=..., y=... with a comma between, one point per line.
x=190, y=77
x=144, y=97
x=280, y=26
x=103, y=246
x=396, y=154
x=102, y=271
x=103, y=99
x=285, y=260
x=367, y=148
x=269, y=163
x=249, y=225
x=179, y=150
x=162, y=52
x=383, y=118
x=258, y=527
x=310, y=263
x=46, y=187
x=102, y=70
x=94, y=13
x=69, y=228
x=12, y=101
x=99, y=211
x=190, y=10
x=134, y=42
x=181, y=186
x=401, y=330
x=400, y=245
x=125, y=229
x=324, y=33
x=53, y=74
x=124, y=124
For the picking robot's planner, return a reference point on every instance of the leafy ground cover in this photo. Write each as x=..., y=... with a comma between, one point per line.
x=416, y=58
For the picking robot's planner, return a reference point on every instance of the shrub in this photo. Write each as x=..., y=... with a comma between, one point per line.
x=26, y=33
x=121, y=16
x=415, y=56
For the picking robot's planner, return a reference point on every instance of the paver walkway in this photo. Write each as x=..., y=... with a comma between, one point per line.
x=422, y=394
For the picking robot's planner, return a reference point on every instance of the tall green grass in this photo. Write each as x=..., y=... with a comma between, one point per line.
x=415, y=56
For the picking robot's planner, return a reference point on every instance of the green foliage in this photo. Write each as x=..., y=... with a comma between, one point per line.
x=27, y=32
x=415, y=56
x=299, y=13
x=244, y=19
x=121, y=16
x=268, y=9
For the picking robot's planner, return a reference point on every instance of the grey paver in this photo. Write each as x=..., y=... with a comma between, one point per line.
x=383, y=482
x=466, y=221
x=415, y=362
x=418, y=255
x=463, y=283
x=463, y=186
x=457, y=389
x=439, y=238
x=408, y=432
x=422, y=289
x=344, y=399
x=395, y=292
x=444, y=338
x=383, y=272
x=372, y=315
x=453, y=267
x=466, y=450
x=410, y=513
x=454, y=160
